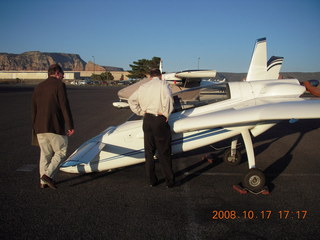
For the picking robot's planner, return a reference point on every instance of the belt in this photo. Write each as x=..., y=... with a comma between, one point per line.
x=153, y=114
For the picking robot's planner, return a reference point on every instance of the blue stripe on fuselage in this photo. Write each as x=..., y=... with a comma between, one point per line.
x=192, y=137
x=196, y=136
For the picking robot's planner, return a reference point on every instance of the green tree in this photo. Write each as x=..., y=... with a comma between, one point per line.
x=106, y=76
x=142, y=67
x=103, y=77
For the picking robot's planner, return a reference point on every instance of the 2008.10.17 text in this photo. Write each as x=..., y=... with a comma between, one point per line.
x=265, y=214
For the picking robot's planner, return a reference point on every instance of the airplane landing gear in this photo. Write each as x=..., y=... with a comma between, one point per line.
x=232, y=157
x=254, y=180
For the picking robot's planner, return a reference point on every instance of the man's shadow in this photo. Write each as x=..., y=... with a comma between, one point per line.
x=208, y=160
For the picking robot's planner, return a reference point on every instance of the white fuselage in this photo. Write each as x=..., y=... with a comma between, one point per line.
x=123, y=145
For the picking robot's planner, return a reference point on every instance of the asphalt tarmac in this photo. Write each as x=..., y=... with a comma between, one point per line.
x=120, y=205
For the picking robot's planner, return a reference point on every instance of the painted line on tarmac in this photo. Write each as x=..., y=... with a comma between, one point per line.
x=27, y=168
x=240, y=174
x=214, y=174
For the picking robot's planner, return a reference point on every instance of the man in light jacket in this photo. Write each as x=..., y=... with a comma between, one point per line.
x=153, y=100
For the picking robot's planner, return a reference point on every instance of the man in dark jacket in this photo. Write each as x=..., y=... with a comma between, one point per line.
x=50, y=113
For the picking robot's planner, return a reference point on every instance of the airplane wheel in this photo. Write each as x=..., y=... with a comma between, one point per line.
x=235, y=160
x=254, y=180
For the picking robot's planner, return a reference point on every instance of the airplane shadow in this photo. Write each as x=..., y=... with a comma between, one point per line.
x=83, y=178
x=189, y=172
x=189, y=176
x=86, y=177
x=279, y=131
x=276, y=133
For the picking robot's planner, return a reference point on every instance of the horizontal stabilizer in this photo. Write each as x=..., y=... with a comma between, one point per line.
x=234, y=117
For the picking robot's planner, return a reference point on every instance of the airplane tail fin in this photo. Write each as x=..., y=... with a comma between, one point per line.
x=259, y=68
x=258, y=64
x=273, y=67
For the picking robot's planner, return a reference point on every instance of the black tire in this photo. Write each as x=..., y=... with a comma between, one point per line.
x=254, y=180
x=232, y=161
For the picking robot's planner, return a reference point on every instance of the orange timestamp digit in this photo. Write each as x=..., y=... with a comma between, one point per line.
x=264, y=214
x=287, y=214
x=226, y=214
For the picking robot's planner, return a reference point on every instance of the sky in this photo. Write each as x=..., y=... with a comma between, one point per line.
x=211, y=34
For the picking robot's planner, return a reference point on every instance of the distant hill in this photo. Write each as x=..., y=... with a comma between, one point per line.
x=94, y=67
x=40, y=61
x=301, y=76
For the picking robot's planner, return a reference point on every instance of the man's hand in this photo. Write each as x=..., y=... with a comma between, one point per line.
x=70, y=132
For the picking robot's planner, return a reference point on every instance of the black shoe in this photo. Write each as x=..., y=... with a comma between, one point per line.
x=171, y=185
x=154, y=184
x=49, y=182
x=42, y=186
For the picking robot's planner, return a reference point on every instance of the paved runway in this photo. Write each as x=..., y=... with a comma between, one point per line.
x=119, y=205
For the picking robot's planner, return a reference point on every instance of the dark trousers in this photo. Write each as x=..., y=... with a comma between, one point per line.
x=157, y=137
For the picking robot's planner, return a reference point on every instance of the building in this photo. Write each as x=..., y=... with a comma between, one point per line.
x=35, y=76
x=116, y=74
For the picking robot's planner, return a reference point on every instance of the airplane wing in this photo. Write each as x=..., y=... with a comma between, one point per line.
x=305, y=109
x=126, y=92
x=196, y=74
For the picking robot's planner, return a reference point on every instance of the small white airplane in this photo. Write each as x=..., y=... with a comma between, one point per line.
x=187, y=77
x=177, y=80
x=206, y=115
